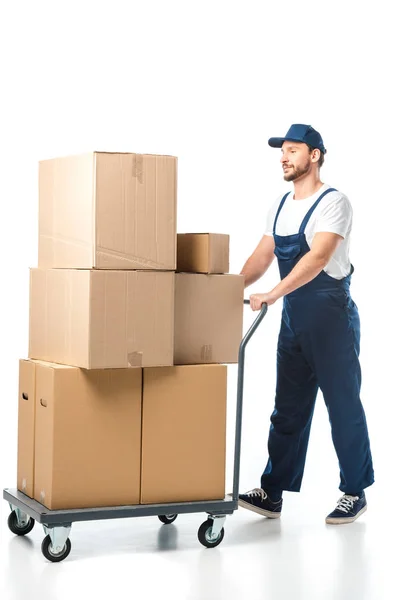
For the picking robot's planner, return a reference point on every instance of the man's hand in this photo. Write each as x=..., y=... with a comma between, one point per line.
x=257, y=300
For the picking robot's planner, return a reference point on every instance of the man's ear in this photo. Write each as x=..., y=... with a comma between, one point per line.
x=315, y=154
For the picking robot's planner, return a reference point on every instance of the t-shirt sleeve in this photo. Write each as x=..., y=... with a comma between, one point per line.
x=269, y=228
x=335, y=217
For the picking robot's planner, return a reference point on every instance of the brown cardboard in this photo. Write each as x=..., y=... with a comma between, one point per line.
x=208, y=318
x=108, y=211
x=26, y=427
x=184, y=433
x=88, y=437
x=203, y=252
x=98, y=319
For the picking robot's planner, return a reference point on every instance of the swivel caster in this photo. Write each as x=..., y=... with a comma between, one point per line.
x=50, y=552
x=56, y=546
x=167, y=519
x=19, y=523
x=211, y=532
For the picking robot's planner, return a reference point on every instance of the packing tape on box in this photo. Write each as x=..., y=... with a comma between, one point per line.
x=135, y=359
x=137, y=167
x=206, y=353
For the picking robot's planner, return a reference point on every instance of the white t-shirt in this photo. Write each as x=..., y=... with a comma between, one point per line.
x=333, y=214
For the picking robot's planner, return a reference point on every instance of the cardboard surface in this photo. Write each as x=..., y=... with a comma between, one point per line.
x=184, y=433
x=208, y=318
x=88, y=436
x=203, y=253
x=26, y=427
x=102, y=319
x=108, y=211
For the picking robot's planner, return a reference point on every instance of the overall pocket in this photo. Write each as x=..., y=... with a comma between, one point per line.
x=287, y=252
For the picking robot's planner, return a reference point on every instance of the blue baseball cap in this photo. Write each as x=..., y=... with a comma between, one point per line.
x=300, y=133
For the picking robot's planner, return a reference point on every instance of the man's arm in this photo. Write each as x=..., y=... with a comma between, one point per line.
x=258, y=263
x=308, y=267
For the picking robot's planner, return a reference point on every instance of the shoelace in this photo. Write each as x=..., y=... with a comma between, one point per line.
x=346, y=503
x=257, y=492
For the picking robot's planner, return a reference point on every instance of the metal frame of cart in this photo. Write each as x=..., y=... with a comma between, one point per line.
x=57, y=524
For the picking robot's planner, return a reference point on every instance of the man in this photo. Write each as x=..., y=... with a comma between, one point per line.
x=319, y=340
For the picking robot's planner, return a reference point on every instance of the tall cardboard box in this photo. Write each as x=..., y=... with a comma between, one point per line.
x=184, y=433
x=26, y=427
x=87, y=436
x=97, y=319
x=208, y=318
x=203, y=253
x=108, y=211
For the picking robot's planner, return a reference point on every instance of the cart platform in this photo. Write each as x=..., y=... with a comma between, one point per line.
x=45, y=516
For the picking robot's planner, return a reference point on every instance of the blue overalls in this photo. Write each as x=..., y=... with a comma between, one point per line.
x=318, y=347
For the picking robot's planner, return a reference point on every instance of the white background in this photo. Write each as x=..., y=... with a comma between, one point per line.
x=210, y=82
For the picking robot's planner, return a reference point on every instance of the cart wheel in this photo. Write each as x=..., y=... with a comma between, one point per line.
x=50, y=554
x=205, y=535
x=167, y=519
x=16, y=528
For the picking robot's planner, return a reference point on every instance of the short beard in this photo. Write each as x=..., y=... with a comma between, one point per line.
x=297, y=172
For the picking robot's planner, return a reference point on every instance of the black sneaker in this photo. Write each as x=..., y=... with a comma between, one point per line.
x=348, y=509
x=258, y=501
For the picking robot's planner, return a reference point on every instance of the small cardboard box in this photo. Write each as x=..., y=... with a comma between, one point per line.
x=203, y=253
x=208, y=318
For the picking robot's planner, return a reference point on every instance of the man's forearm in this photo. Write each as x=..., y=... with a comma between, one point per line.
x=251, y=274
x=305, y=271
x=253, y=269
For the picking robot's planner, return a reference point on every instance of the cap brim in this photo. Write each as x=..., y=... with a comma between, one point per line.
x=276, y=142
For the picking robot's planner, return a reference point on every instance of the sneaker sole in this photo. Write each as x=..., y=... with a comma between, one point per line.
x=344, y=520
x=259, y=511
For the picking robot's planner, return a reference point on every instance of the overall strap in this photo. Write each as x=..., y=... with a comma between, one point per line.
x=279, y=210
x=314, y=206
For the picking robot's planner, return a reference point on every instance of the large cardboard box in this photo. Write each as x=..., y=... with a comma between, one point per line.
x=208, y=318
x=108, y=211
x=203, y=252
x=87, y=436
x=26, y=427
x=184, y=433
x=99, y=319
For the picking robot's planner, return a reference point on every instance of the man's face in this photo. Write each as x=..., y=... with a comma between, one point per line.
x=295, y=160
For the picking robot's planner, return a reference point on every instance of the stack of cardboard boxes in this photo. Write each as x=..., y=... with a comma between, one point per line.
x=123, y=397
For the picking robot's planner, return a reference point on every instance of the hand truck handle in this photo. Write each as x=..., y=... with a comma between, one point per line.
x=263, y=312
x=239, y=405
